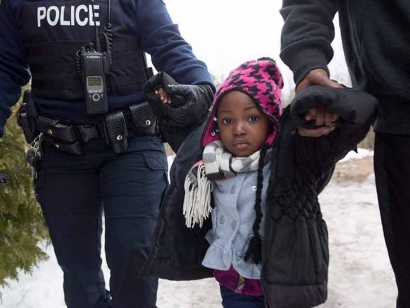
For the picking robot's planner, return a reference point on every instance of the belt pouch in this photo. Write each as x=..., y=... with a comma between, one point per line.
x=58, y=129
x=75, y=148
x=143, y=120
x=116, y=133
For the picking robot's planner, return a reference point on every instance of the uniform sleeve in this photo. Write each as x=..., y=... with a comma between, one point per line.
x=169, y=51
x=13, y=68
x=307, y=35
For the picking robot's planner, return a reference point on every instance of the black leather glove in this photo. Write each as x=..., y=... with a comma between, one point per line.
x=188, y=107
x=3, y=178
x=189, y=103
x=160, y=80
x=198, y=99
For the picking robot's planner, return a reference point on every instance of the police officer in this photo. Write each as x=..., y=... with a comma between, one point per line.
x=100, y=150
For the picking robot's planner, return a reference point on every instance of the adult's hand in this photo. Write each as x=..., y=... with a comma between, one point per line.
x=198, y=99
x=324, y=118
x=156, y=96
x=3, y=178
x=183, y=105
x=179, y=108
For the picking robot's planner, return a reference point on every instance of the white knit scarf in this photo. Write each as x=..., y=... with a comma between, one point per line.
x=217, y=163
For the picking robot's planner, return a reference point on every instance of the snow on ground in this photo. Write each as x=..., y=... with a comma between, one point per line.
x=360, y=273
x=361, y=153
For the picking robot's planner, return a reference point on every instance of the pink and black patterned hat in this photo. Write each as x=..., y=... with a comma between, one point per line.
x=260, y=79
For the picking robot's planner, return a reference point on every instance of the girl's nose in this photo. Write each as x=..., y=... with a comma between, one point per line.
x=238, y=129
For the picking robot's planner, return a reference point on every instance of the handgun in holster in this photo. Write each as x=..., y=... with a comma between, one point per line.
x=26, y=117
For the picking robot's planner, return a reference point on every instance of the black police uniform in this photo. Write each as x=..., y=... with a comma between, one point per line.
x=80, y=176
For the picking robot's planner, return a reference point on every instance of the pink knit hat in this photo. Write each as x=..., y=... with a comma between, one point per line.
x=263, y=82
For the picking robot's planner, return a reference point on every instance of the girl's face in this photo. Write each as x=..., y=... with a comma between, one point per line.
x=242, y=126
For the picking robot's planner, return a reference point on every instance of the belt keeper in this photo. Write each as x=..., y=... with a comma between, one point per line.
x=116, y=133
x=88, y=132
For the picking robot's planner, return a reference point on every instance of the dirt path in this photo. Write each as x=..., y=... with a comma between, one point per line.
x=355, y=170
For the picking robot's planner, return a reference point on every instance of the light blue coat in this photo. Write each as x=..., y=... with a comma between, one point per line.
x=232, y=220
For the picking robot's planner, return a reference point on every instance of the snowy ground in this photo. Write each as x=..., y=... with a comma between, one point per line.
x=360, y=273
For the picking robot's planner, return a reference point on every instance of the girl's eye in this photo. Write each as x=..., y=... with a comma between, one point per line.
x=226, y=121
x=253, y=118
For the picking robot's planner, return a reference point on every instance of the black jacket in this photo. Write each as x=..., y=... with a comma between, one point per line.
x=295, y=248
x=376, y=43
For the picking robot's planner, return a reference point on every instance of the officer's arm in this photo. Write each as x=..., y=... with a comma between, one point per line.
x=307, y=35
x=13, y=67
x=169, y=51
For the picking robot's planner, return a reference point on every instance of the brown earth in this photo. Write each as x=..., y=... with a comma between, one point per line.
x=356, y=170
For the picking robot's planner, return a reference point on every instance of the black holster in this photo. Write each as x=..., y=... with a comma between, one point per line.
x=62, y=134
x=26, y=117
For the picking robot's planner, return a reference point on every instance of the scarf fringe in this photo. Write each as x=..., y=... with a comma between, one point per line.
x=197, y=201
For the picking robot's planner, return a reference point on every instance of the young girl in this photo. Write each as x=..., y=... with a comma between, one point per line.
x=238, y=140
x=267, y=244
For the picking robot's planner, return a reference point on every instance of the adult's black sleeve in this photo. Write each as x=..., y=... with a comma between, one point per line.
x=307, y=34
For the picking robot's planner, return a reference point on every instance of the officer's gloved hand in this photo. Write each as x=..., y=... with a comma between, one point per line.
x=189, y=103
x=189, y=106
x=157, y=81
x=3, y=178
x=198, y=99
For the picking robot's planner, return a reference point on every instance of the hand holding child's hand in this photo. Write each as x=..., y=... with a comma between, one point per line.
x=161, y=101
x=322, y=118
x=163, y=95
x=322, y=123
x=177, y=105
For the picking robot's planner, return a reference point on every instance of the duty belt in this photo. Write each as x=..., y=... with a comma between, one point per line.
x=116, y=128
